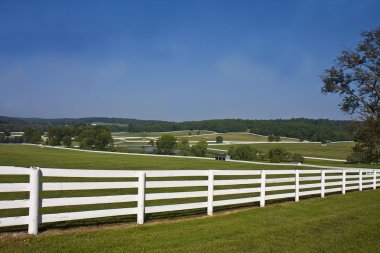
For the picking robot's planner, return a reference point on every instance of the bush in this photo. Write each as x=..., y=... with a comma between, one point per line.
x=243, y=152
x=279, y=154
x=298, y=158
x=166, y=144
x=355, y=157
x=219, y=139
x=199, y=149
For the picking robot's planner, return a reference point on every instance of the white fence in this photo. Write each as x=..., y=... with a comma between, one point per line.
x=265, y=184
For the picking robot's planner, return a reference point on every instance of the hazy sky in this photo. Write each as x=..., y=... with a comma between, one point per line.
x=174, y=60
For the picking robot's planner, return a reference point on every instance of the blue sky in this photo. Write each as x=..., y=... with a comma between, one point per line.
x=174, y=60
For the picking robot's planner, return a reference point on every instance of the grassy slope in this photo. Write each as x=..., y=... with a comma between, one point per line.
x=332, y=150
x=340, y=223
x=158, y=134
x=22, y=155
x=233, y=137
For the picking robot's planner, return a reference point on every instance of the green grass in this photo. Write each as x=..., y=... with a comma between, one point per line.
x=23, y=155
x=233, y=137
x=158, y=134
x=339, y=223
x=332, y=150
x=26, y=156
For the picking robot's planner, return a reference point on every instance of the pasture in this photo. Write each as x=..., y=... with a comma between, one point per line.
x=338, y=223
x=246, y=137
x=158, y=134
x=310, y=224
x=338, y=150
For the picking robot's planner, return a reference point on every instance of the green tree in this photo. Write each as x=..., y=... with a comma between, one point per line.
x=166, y=144
x=243, y=152
x=28, y=134
x=36, y=138
x=298, y=158
x=279, y=154
x=66, y=141
x=219, y=139
x=271, y=138
x=277, y=138
x=356, y=78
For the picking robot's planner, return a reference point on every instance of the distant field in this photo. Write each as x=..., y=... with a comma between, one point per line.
x=109, y=124
x=234, y=137
x=332, y=150
x=24, y=155
x=158, y=134
x=339, y=223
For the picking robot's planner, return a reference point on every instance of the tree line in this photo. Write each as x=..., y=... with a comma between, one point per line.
x=87, y=136
x=301, y=128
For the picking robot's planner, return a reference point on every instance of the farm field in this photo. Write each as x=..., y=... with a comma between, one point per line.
x=338, y=223
x=234, y=137
x=158, y=134
x=26, y=156
x=332, y=150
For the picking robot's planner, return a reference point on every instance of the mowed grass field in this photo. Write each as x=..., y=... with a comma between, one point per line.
x=158, y=134
x=233, y=137
x=332, y=150
x=338, y=223
x=27, y=155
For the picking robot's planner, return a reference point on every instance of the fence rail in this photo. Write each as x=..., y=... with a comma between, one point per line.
x=267, y=184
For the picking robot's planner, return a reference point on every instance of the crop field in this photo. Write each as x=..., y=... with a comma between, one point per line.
x=338, y=223
x=332, y=150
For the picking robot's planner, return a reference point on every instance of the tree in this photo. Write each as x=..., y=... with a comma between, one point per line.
x=278, y=154
x=199, y=149
x=166, y=144
x=277, y=138
x=28, y=134
x=243, y=152
x=356, y=78
x=219, y=139
x=271, y=138
x=66, y=141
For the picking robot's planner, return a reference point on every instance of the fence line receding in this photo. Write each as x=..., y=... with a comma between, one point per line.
x=216, y=187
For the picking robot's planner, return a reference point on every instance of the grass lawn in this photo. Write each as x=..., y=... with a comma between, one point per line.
x=333, y=150
x=26, y=156
x=158, y=134
x=338, y=223
x=233, y=137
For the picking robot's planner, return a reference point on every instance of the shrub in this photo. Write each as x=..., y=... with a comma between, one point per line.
x=355, y=157
x=298, y=158
x=199, y=149
x=219, y=139
x=279, y=154
x=243, y=152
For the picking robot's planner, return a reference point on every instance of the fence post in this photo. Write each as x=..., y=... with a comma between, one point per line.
x=34, y=200
x=343, y=181
x=374, y=179
x=323, y=179
x=360, y=180
x=297, y=185
x=141, y=198
x=262, y=189
x=210, y=193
